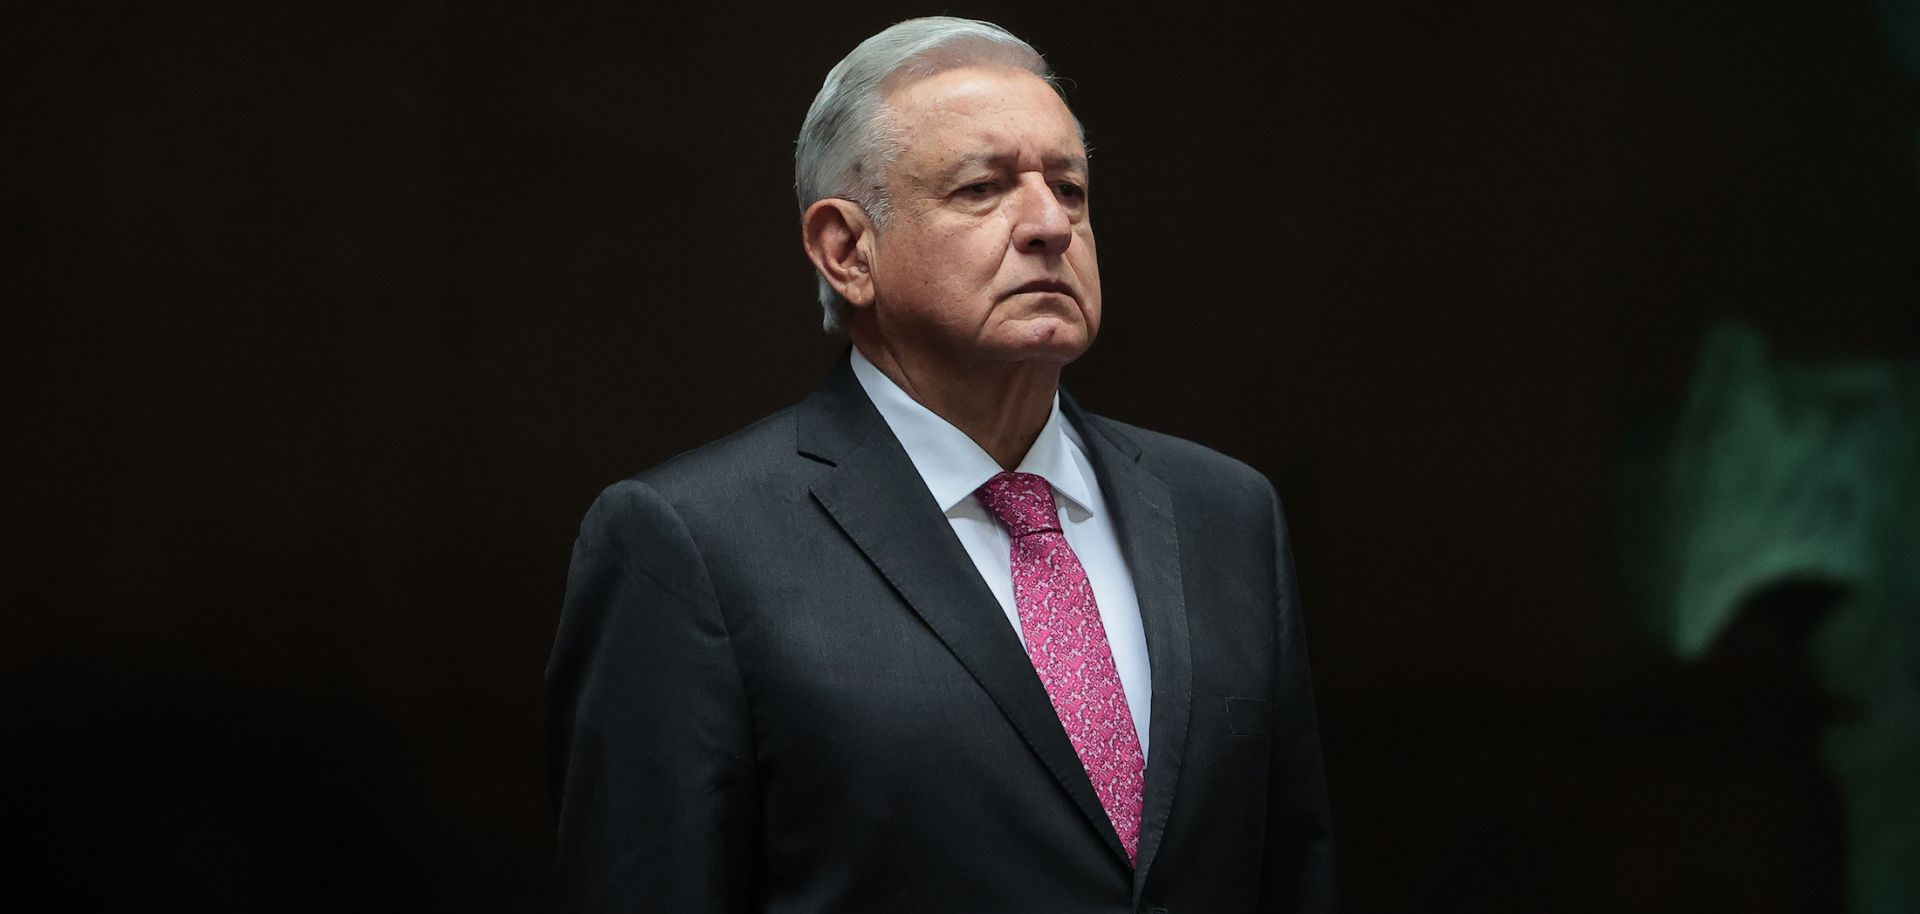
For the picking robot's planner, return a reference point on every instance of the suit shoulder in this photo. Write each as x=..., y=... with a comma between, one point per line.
x=742, y=474
x=739, y=458
x=1183, y=462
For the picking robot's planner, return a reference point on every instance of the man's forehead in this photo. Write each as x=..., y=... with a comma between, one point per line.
x=978, y=94
x=964, y=86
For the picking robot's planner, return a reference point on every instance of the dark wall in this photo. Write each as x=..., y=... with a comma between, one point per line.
x=326, y=322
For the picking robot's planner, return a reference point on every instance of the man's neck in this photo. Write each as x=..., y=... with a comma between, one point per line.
x=1000, y=405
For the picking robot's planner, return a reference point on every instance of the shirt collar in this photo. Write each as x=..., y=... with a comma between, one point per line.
x=952, y=465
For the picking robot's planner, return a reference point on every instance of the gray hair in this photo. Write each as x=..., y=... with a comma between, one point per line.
x=847, y=145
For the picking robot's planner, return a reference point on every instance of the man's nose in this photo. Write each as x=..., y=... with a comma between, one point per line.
x=1042, y=224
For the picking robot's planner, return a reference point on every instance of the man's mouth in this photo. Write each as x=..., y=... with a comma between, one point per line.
x=1045, y=285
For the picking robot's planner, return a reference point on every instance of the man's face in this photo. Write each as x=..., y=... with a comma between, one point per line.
x=989, y=252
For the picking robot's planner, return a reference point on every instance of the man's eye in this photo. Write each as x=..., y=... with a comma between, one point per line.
x=1073, y=191
x=978, y=190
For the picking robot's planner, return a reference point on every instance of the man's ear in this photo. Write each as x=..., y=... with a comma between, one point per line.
x=838, y=237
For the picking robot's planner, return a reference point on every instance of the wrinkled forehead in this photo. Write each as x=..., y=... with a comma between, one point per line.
x=984, y=117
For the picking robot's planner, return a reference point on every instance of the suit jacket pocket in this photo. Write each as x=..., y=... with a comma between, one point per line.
x=1250, y=717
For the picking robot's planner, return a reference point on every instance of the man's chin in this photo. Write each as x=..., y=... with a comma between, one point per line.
x=1046, y=340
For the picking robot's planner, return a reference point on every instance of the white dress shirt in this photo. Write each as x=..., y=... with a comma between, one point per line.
x=953, y=467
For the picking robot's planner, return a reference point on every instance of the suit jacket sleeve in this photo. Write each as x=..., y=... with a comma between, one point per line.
x=650, y=755
x=1299, y=843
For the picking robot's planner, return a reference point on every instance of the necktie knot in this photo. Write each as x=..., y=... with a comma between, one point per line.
x=1022, y=501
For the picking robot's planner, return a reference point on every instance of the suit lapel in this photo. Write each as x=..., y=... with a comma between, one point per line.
x=1144, y=520
x=879, y=500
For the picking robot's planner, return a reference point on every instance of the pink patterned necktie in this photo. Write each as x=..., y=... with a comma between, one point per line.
x=1068, y=646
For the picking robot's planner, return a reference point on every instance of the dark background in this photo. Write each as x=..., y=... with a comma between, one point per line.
x=327, y=321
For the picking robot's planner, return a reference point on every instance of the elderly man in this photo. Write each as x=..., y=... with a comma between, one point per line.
x=936, y=639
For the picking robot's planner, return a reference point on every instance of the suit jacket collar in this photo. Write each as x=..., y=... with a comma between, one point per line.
x=953, y=465
x=880, y=501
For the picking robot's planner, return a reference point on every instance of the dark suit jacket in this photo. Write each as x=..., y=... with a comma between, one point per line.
x=780, y=685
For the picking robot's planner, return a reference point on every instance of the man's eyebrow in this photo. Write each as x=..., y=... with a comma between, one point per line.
x=1070, y=162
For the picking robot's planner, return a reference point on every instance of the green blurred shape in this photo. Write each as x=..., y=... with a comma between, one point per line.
x=1778, y=474
x=1773, y=474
